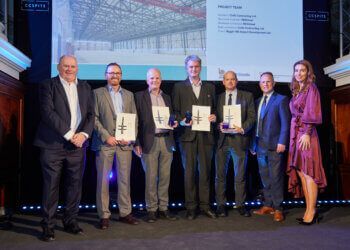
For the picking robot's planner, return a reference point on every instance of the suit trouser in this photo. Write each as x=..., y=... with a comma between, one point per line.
x=198, y=149
x=104, y=162
x=53, y=163
x=272, y=175
x=157, y=164
x=239, y=156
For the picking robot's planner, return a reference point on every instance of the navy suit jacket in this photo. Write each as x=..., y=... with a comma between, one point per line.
x=55, y=114
x=146, y=126
x=246, y=100
x=275, y=123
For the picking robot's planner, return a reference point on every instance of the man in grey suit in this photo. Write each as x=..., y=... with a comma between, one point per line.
x=270, y=141
x=111, y=100
x=155, y=146
x=195, y=145
x=233, y=142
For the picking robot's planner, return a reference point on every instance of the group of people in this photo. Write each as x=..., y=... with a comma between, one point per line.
x=72, y=114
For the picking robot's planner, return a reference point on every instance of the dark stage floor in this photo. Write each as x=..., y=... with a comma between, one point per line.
x=233, y=232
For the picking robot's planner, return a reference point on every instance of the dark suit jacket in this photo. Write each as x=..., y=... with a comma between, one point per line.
x=146, y=126
x=184, y=98
x=247, y=117
x=275, y=123
x=55, y=114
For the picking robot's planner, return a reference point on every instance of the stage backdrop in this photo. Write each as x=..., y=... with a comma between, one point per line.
x=33, y=36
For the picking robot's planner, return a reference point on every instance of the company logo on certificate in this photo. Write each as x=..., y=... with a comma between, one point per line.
x=200, y=121
x=125, y=127
x=161, y=117
x=232, y=115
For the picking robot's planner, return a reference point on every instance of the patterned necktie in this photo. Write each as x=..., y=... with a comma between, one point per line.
x=229, y=99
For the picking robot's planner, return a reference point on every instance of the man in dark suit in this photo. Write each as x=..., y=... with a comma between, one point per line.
x=270, y=141
x=67, y=121
x=233, y=142
x=195, y=145
x=111, y=100
x=155, y=147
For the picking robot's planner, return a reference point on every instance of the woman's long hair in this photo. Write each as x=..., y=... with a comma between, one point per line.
x=294, y=85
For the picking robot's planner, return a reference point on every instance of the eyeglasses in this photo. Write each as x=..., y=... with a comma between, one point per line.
x=114, y=73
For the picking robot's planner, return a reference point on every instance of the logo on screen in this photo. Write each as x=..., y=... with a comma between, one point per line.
x=319, y=16
x=35, y=5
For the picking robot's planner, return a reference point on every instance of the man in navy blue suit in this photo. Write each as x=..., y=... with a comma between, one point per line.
x=67, y=121
x=270, y=142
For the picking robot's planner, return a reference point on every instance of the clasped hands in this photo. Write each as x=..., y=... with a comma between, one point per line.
x=78, y=139
x=112, y=141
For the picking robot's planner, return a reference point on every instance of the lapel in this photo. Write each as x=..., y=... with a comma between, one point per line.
x=189, y=90
x=61, y=91
x=239, y=97
x=147, y=100
x=166, y=100
x=81, y=97
x=220, y=106
x=272, y=99
x=109, y=99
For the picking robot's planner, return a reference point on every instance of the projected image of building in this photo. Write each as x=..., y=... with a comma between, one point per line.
x=132, y=32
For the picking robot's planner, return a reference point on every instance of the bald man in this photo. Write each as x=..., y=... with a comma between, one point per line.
x=155, y=147
x=233, y=142
x=67, y=121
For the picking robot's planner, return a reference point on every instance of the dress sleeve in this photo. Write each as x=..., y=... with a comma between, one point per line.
x=312, y=114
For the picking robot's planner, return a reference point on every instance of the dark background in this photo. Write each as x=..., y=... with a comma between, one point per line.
x=33, y=37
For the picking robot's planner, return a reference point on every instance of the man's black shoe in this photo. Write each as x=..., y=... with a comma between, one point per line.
x=166, y=215
x=209, y=214
x=151, y=217
x=190, y=214
x=73, y=228
x=221, y=211
x=242, y=210
x=48, y=234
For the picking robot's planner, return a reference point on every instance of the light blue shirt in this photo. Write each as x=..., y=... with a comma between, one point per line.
x=117, y=99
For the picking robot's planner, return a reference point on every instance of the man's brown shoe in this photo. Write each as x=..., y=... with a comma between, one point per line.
x=104, y=223
x=278, y=216
x=129, y=219
x=264, y=210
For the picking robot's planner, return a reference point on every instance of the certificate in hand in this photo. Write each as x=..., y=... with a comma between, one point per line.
x=232, y=115
x=200, y=121
x=161, y=117
x=125, y=127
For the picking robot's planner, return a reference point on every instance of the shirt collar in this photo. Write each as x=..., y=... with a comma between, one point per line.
x=268, y=95
x=67, y=83
x=199, y=83
x=233, y=92
x=110, y=89
x=150, y=92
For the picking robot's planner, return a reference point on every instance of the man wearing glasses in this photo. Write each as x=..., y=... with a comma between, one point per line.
x=111, y=100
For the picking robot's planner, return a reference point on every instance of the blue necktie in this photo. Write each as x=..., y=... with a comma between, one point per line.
x=263, y=107
x=262, y=111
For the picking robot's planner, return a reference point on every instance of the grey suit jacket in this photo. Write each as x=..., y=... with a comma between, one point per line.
x=247, y=117
x=105, y=118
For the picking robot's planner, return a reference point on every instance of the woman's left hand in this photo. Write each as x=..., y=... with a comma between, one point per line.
x=304, y=142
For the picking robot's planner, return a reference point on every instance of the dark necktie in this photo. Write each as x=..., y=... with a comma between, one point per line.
x=229, y=99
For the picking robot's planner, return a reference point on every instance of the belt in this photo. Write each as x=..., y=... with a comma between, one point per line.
x=161, y=135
